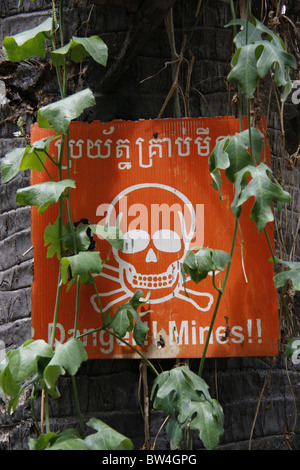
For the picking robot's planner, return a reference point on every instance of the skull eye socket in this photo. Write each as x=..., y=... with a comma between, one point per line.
x=135, y=241
x=167, y=241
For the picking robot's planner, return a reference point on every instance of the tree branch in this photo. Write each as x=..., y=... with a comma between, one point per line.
x=145, y=20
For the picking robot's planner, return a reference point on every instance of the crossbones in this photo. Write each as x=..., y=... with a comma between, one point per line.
x=153, y=253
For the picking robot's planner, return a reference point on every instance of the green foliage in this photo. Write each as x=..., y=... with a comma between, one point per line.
x=185, y=398
x=10, y=164
x=79, y=48
x=36, y=361
x=105, y=438
x=67, y=357
x=127, y=319
x=58, y=115
x=32, y=157
x=256, y=32
x=112, y=234
x=43, y=194
x=255, y=57
x=22, y=364
x=35, y=154
x=181, y=394
x=232, y=155
x=70, y=236
x=82, y=264
x=264, y=188
x=29, y=43
x=204, y=261
x=292, y=275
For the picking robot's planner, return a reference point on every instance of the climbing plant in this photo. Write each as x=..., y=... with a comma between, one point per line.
x=259, y=51
x=182, y=394
x=37, y=363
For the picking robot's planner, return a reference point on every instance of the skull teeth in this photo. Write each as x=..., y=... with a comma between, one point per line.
x=151, y=281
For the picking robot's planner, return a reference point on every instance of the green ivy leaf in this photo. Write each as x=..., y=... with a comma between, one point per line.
x=65, y=443
x=208, y=421
x=264, y=188
x=69, y=439
x=185, y=397
x=35, y=154
x=58, y=115
x=256, y=32
x=127, y=319
x=112, y=234
x=205, y=260
x=22, y=363
x=231, y=154
x=29, y=43
x=256, y=63
x=106, y=438
x=79, y=48
x=253, y=61
x=292, y=275
x=81, y=237
x=52, y=238
x=10, y=164
x=67, y=357
x=24, y=158
x=218, y=160
x=42, y=442
x=81, y=264
x=43, y=194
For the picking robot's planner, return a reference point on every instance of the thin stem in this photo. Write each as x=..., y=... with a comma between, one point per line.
x=61, y=20
x=32, y=398
x=50, y=158
x=220, y=293
x=247, y=22
x=271, y=249
x=59, y=79
x=233, y=16
x=240, y=103
x=115, y=335
x=103, y=328
x=77, y=306
x=47, y=410
x=132, y=347
x=43, y=165
x=55, y=316
x=77, y=405
x=98, y=298
x=209, y=333
x=60, y=158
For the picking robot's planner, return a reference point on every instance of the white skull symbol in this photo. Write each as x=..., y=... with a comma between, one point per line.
x=157, y=223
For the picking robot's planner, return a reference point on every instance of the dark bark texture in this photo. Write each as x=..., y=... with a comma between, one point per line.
x=260, y=396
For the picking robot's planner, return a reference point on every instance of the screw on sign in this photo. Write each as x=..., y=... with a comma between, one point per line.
x=151, y=179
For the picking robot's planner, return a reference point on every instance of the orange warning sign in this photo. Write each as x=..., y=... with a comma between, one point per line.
x=151, y=179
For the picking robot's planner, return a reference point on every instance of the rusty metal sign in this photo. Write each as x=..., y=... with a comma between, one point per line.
x=151, y=179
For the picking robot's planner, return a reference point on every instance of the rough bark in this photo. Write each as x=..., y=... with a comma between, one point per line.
x=139, y=49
